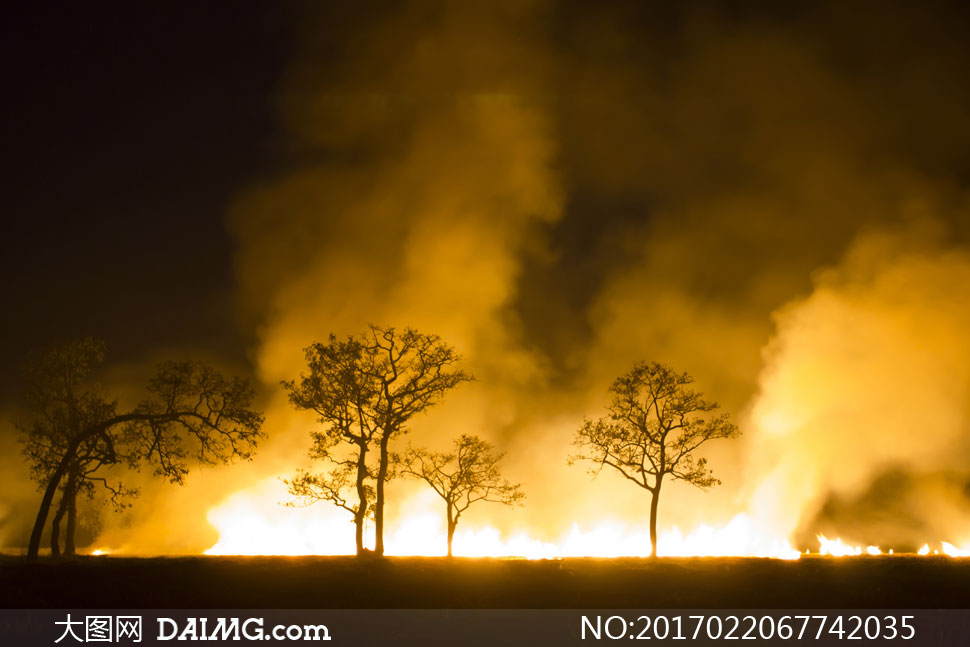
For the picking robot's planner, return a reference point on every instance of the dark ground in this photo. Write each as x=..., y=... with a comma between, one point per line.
x=345, y=582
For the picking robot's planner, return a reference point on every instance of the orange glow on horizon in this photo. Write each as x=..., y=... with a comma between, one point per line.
x=255, y=524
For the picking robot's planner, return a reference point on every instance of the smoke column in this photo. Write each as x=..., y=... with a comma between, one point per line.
x=868, y=374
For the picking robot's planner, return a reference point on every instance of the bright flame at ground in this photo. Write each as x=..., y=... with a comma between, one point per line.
x=952, y=551
x=836, y=548
x=254, y=523
x=422, y=535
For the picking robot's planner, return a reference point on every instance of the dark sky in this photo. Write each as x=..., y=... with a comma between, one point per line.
x=127, y=128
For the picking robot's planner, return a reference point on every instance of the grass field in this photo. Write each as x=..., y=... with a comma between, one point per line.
x=346, y=582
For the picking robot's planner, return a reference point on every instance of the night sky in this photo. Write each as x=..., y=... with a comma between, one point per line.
x=127, y=130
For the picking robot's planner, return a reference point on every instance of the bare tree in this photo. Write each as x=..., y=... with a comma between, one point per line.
x=192, y=413
x=655, y=425
x=339, y=488
x=466, y=475
x=83, y=478
x=340, y=388
x=414, y=371
x=365, y=390
x=45, y=441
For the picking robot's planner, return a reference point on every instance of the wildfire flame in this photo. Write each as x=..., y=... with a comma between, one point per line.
x=253, y=523
x=423, y=535
x=952, y=551
x=836, y=548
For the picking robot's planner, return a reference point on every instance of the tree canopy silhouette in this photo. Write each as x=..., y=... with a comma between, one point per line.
x=466, y=475
x=192, y=414
x=365, y=390
x=340, y=388
x=656, y=423
x=44, y=446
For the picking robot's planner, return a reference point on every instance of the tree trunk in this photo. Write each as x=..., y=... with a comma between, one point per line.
x=69, y=548
x=654, y=501
x=452, y=524
x=359, y=534
x=379, y=503
x=56, y=526
x=362, y=501
x=33, y=548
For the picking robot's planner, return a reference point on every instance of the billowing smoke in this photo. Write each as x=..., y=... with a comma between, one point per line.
x=559, y=198
x=865, y=395
x=433, y=176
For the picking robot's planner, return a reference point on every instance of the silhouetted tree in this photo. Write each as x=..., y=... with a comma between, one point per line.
x=47, y=438
x=656, y=423
x=81, y=479
x=467, y=474
x=192, y=412
x=333, y=487
x=414, y=372
x=365, y=390
x=340, y=388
